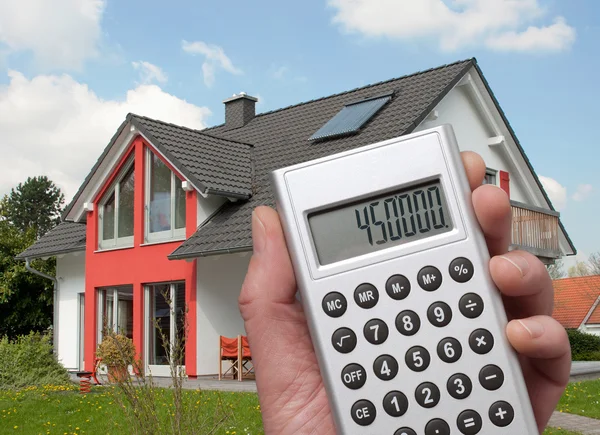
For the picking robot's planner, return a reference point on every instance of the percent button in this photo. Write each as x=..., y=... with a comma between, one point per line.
x=461, y=269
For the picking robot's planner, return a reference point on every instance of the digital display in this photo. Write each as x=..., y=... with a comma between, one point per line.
x=380, y=222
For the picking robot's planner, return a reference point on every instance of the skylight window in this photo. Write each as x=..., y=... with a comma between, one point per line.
x=351, y=118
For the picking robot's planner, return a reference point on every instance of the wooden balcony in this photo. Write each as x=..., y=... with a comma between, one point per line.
x=536, y=230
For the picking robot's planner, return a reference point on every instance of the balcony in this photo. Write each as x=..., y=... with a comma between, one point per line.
x=535, y=230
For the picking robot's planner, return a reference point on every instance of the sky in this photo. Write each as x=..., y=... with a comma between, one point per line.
x=70, y=70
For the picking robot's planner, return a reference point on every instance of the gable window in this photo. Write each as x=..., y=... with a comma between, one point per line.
x=165, y=202
x=490, y=177
x=115, y=212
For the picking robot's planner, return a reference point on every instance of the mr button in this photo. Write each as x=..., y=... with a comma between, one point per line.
x=366, y=295
x=363, y=412
x=334, y=304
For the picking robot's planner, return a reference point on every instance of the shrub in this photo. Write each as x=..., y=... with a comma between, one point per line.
x=584, y=346
x=116, y=350
x=28, y=360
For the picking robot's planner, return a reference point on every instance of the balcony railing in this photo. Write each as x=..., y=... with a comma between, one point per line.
x=536, y=230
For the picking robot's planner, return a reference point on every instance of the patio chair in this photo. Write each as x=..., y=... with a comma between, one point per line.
x=245, y=366
x=229, y=352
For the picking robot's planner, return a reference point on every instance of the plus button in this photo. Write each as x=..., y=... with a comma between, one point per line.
x=501, y=413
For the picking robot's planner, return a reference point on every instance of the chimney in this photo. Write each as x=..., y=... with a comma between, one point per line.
x=239, y=110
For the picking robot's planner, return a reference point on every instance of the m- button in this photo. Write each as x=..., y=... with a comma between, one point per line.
x=363, y=412
x=366, y=295
x=334, y=304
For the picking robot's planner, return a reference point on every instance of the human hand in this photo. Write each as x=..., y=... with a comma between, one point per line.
x=289, y=383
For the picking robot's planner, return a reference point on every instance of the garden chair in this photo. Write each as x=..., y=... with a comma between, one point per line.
x=229, y=352
x=245, y=366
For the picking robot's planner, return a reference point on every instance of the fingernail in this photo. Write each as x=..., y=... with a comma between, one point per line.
x=259, y=238
x=519, y=262
x=535, y=329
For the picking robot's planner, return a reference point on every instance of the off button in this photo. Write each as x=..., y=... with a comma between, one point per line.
x=334, y=304
x=354, y=376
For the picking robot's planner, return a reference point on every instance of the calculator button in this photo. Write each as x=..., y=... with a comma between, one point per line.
x=501, y=414
x=469, y=422
x=437, y=426
x=429, y=278
x=354, y=376
x=344, y=340
x=385, y=367
x=461, y=269
x=405, y=431
x=471, y=305
x=366, y=295
x=334, y=304
x=459, y=386
x=376, y=331
x=408, y=322
x=427, y=395
x=439, y=314
x=417, y=359
x=449, y=350
x=481, y=341
x=397, y=287
x=491, y=377
x=363, y=412
x=395, y=403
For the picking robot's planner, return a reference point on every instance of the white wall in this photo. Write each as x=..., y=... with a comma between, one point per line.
x=70, y=271
x=591, y=329
x=219, y=283
x=207, y=206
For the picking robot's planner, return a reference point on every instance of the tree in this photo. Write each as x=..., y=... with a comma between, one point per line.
x=556, y=270
x=580, y=268
x=594, y=262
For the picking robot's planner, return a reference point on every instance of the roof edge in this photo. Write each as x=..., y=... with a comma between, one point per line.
x=22, y=257
x=224, y=251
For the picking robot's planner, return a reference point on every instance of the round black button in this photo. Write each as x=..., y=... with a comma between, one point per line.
x=427, y=395
x=429, y=278
x=408, y=322
x=469, y=422
x=501, y=414
x=459, y=386
x=461, y=269
x=354, y=376
x=481, y=341
x=491, y=377
x=385, y=367
x=417, y=359
x=363, y=412
x=449, y=350
x=376, y=331
x=395, y=403
x=471, y=305
x=366, y=295
x=397, y=287
x=439, y=314
x=344, y=340
x=334, y=304
x=405, y=431
x=437, y=426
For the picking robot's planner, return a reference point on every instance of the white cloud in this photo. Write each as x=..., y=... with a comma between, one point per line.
x=556, y=192
x=214, y=57
x=150, y=72
x=60, y=34
x=53, y=125
x=280, y=72
x=454, y=24
x=583, y=192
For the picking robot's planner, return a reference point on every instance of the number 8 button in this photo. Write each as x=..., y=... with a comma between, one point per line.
x=408, y=323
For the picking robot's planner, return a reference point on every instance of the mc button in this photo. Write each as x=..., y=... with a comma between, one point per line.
x=334, y=304
x=366, y=295
x=363, y=412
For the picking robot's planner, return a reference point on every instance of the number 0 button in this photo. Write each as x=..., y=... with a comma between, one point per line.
x=408, y=323
x=344, y=340
x=427, y=395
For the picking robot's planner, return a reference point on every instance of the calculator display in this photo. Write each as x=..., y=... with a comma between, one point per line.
x=380, y=222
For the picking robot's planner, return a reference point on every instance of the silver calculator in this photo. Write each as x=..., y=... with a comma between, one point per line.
x=392, y=269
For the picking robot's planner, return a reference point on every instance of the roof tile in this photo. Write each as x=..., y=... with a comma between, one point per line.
x=64, y=238
x=573, y=299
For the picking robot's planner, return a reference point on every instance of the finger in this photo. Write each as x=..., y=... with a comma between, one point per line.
x=475, y=168
x=492, y=208
x=524, y=280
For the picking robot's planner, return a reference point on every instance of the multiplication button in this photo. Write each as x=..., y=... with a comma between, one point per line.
x=429, y=278
x=481, y=341
x=471, y=305
x=354, y=376
x=344, y=340
x=491, y=377
x=334, y=304
x=363, y=412
x=366, y=295
x=469, y=422
x=397, y=287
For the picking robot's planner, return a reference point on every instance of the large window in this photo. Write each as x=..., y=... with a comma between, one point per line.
x=116, y=212
x=165, y=202
x=115, y=311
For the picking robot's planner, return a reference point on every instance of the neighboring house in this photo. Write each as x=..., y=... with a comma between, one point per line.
x=167, y=208
x=577, y=303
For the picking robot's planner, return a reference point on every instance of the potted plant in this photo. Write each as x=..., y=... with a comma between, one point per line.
x=117, y=352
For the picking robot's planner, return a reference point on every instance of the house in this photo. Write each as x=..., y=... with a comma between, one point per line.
x=166, y=210
x=577, y=303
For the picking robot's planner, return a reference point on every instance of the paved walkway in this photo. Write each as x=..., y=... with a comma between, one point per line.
x=575, y=423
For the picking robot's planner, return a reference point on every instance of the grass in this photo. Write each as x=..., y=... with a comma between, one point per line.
x=582, y=398
x=556, y=431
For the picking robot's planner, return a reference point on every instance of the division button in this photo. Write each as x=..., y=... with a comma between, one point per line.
x=354, y=376
x=439, y=314
x=469, y=422
x=334, y=304
x=481, y=341
x=437, y=426
x=376, y=331
x=501, y=414
x=397, y=287
x=427, y=395
x=461, y=269
x=429, y=278
x=363, y=412
x=471, y=305
x=395, y=403
x=417, y=359
x=408, y=323
x=366, y=295
x=405, y=431
x=449, y=350
x=459, y=386
x=344, y=340
x=491, y=377
x=385, y=367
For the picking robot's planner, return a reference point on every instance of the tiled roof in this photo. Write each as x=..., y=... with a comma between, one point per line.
x=573, y=299
x=595, y=317
x=280, y=138
x=64, y=238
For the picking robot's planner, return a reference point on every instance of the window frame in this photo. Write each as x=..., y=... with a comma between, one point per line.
x=116, y=241
x=102, y=296
x=491, y=173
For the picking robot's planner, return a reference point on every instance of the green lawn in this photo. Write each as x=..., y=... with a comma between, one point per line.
x=554, y=431
x=582, y=398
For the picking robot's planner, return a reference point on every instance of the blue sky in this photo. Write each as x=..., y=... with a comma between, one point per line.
x=71, y=71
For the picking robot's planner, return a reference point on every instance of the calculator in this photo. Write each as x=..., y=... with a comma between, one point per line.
x=392, y=270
